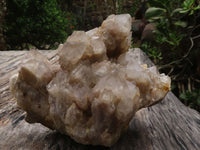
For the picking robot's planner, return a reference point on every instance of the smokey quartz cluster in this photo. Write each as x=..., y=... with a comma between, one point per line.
x=95, y=90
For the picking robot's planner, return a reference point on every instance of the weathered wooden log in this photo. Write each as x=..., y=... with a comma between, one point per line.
x=167, y=125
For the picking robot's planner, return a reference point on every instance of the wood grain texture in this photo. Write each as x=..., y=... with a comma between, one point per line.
x=168, y=125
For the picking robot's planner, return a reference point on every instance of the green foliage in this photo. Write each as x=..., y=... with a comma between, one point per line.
x=154, y=13
x=167, y=16
x=91, y=5
x=192, y=98
x=189, y=6
x=168, y=9
x=71, y=22
x=121, y=8
x=134, y=7
x=168, y=25
x=152, y=51
x=34, y=22
x=173, y=39
x=168, y=4
x=170, y=37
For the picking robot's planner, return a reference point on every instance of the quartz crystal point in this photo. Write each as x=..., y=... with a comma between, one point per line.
x=95, y=90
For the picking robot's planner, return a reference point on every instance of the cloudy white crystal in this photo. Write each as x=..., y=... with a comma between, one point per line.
x=97, y=88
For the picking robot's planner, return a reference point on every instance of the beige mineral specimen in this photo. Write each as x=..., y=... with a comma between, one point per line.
x=97, y=88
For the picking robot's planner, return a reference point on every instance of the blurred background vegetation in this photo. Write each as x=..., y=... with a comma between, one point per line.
x=167, y=31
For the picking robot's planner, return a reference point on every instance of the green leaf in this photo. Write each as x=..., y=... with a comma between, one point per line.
x=180, y=23
x=191, y=12
x=154, y=13
x=183, y=96
x=170, y=42
x=184, y=11
x=196, y=8
x=188, y=3
x=176, y=11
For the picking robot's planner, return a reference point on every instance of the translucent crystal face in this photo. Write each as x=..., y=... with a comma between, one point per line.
x=97, y=87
